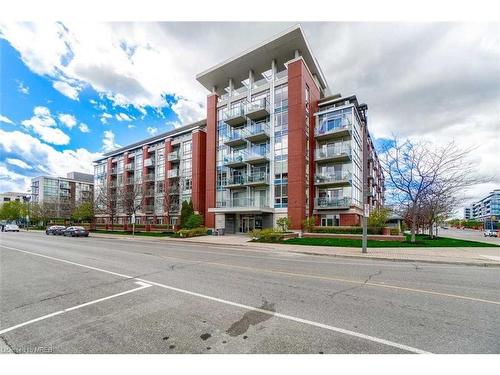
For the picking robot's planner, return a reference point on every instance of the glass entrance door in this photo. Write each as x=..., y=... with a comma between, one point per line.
x=247, y=223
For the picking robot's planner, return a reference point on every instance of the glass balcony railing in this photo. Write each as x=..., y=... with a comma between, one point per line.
x=174, y=156
x=243, y=202
x=331, y=203
x=234, y=116
x=333, y=152
x=334, y=126
x=334, y=177
x=257, y=108
x=281, y=74
x=234, y=158
x=148, y=208
x=129, y=167
x=149, y=177
x=149, y=162
x=257, y=178
x=257, y=154
x=172, y=173
x=234, y=137
x=149, y=192
x=257, y=131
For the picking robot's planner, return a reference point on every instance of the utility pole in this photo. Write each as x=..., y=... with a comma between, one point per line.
x=364, y=128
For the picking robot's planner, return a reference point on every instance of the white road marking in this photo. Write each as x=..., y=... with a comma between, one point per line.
x=236, y=304
x=143, y=285
x=491, y=257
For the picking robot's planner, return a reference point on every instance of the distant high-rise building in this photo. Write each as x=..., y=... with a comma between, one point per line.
x=488, y=208
x=467, y=213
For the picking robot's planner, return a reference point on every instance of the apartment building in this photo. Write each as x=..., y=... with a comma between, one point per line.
x=488, y=208
x=275, y=143
x=11, y=196
x=467, y=213
x=151, y=178
x=60, y=195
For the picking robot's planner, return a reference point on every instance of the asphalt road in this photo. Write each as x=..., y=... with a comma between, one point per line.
x=468, y=234
x=97, y=295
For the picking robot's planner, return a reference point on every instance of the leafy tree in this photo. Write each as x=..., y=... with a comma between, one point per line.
x=194, y=221
x=186, y=212
x=283, y=223
x=83, y=212
x=13, y=210
x=378, y=217
x=308, y=223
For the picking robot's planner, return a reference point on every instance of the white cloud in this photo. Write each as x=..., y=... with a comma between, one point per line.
x=22, y=88
x=12, y=181
x=6, y=120
x=18, y=163
x=104, y=117
x=43, y=157
x=123, y=117
x=108, y=142
x=152, y=130
x=67, y=119
x=188, y=111
x=174, y=124
x=84, y=128
x=43, y=124
x=130, y=126
x=66, y=89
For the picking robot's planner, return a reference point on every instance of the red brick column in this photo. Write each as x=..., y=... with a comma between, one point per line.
x=211, y=152
x=144, y=173
x=199, y=171
x=108, y=178
x=298, y=77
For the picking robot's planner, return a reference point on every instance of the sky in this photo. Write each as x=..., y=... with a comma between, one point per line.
x=70, y=91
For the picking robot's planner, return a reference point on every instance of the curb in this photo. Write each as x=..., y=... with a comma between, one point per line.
x=459, y=263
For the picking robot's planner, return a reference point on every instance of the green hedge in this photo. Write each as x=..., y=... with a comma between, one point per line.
x=184, y=233
x=266, y=235
x=346, y=230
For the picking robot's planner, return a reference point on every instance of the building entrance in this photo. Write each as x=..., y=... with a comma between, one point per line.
x=249, y=223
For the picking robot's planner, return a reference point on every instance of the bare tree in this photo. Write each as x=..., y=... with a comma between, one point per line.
x=424, y=178
x=106, y=203
x=131, y=200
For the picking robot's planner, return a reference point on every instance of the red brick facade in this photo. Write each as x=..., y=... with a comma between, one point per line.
x=298, y=79
x=199, y=171
x=211, y=154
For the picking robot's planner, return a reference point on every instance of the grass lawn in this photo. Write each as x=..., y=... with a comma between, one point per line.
x=145, y=234
x=422, y=241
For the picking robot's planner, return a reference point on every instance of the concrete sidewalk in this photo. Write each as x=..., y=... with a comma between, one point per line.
x=476, y=256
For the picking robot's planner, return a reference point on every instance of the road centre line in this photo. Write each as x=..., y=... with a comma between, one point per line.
x=226, y=302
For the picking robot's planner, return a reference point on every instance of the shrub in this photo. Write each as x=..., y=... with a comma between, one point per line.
x=185, y=233
x=283, y=223
x=378, y=217
x=394, y=232
x=267, y=235
x=186, y=212
x=194, y=221
x=309, y=223
x=346, y=230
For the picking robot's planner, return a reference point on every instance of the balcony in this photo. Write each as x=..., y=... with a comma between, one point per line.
x=148, y=177
x=148, y=208
x=331, y=203
x=113, y=171
x=130, y=181
x=244, y=203
x=173, y=208
x=235, y=182
x=257, y=109
x=173, y=190
x=257, y=155
x=149, y=192
x=334, y=153
x=113, y=184
x=333, y=129
x=257, y=179
x=235, y=138
x=236, y=159
x=235, y=116
x=257, y=132
x=149, y=162
x=174, y=157
x=173, y=173
x=335, y=178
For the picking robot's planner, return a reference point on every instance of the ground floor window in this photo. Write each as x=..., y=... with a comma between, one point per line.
x=330, y=220
x=173, y=220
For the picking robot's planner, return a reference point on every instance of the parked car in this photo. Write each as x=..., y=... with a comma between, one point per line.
x=11, y=228
x=76, y=232
x=56, y=230
x=490, y=233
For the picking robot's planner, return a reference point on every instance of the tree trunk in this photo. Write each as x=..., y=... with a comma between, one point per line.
x=431, y=232
x=413, y=226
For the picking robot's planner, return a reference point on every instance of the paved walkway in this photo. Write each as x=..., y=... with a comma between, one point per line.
x=479, y=256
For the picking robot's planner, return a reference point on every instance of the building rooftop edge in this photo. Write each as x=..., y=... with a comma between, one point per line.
x=170, y=133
